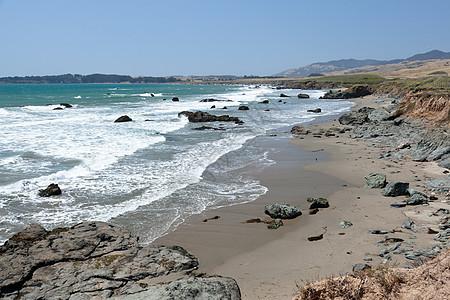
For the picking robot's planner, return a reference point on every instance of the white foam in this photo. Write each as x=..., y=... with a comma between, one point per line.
x=77, y=97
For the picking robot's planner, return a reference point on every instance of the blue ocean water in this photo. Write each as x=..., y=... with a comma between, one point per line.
x=147, y=175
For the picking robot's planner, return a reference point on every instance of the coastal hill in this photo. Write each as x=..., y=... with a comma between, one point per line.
x=92, y=78
x=346, y=64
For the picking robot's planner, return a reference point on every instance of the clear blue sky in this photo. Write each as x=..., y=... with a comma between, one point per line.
x=193, y=37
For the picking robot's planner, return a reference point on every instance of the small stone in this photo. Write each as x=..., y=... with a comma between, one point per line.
x=367, y=259
x=361, y=267
x=378, y=231
x=345, y=224
x=274, y=224
x=398, y=204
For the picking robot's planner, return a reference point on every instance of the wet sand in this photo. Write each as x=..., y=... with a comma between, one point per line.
x=270, y=264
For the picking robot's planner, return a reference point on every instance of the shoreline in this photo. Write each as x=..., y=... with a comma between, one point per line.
x=269, y=264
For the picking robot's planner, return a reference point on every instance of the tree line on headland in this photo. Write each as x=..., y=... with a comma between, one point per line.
x=93, y=78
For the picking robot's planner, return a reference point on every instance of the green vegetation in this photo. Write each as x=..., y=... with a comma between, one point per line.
x=439, y=73
x=93, y=78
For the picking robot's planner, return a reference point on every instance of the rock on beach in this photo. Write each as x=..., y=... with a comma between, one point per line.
x=282, y=211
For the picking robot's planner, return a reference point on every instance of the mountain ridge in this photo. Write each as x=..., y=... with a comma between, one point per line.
x=344, y=64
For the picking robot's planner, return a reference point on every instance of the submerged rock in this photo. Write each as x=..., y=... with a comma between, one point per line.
x=52, y=190
x=243, y=107
x=124, y=118
x=317, y=110
x=66, y=105
x=282, y=211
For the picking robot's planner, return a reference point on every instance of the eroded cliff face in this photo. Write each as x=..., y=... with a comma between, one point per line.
x=429, y=106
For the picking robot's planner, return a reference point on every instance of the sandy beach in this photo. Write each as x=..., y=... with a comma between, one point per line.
x=271, y=264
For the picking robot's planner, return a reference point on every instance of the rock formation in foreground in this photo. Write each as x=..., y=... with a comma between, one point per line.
x=97, y=260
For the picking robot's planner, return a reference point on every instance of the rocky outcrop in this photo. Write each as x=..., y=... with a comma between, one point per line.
x=282, y=211
x=317, y=110
x=92, y=260
x=190, y=289
x=52, y=190
x=426, y=105
x=66, y=105
x=353, y=92
x=175, y=99
x=375, y=181
x=300, y=130
x=208, y=128
x=123, y=119
x=284, y=95
x=354, y=118
x=396, y=188
x=200, y=116
x=303, y=96
x=243, y=107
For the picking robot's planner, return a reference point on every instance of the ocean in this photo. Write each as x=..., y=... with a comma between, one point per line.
x=147, y=175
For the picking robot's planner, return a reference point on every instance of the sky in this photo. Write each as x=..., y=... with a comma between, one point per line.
x=211, y=37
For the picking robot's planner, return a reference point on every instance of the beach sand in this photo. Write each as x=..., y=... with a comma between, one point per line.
x=271, y=264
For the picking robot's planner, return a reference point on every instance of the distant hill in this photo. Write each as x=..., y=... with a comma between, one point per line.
x=93, y=78
x=344, y=64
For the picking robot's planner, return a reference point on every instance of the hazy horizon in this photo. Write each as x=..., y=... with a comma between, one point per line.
x=144, y=38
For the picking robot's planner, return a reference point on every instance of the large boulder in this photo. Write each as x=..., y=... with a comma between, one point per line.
x=52, y=190
x=354, y=118
x=396, y=188
x=200, y=116
x=375, y=181
x=95, y=260
x=282, y=211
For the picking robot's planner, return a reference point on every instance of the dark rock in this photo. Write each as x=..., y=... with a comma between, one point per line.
x=58, y=108
x=213, y=106
x=208, y=128
x=361, y=267
x=375, y=181
x=284, y=95
x=200, y=116
x=123, y=119
x=52, y=190
x=264, y=102
x=243, y=107
x=378, y=231
x=282, y=211
x=398, y=204
x=314, y=211
x=317, y=110
x=318, y=203
x=274, y=224
x=300, y=130
x=175, y=99
x=353, y=118
x=303, y=96
x=224, y=107
x=315, y=238
x=214, y=100
x=66, y=105
x=353, y=92
x=366, y=110
x=396, y=188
